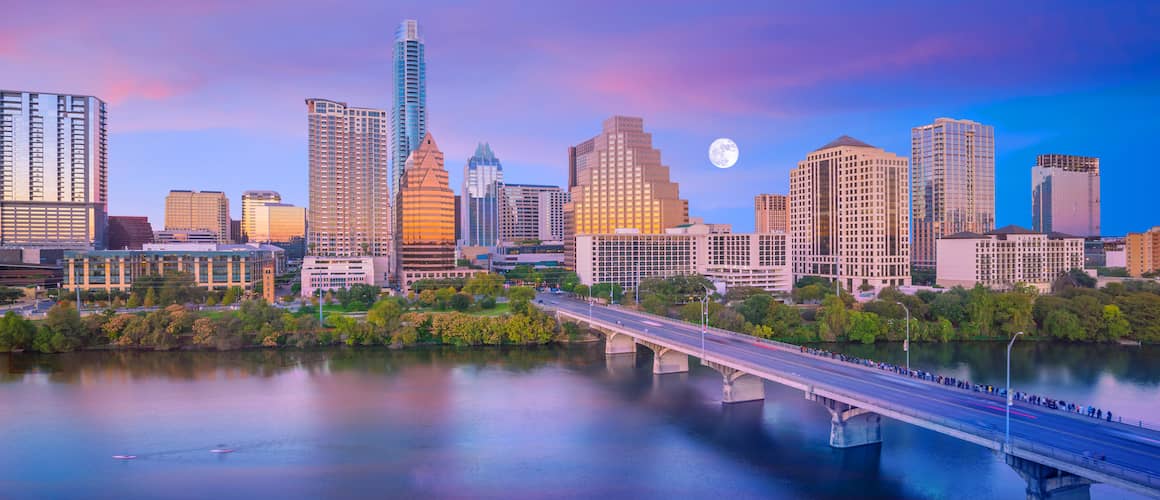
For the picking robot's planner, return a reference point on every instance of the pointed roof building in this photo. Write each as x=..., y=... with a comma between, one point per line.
x=427, y=205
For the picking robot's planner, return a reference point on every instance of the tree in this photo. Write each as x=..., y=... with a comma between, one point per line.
x=230, y=296
x=864, y=326
x=460, y=302
x=1074, y=278
x=580, y=291
x=385, y=315
x=427, y=298
x=654, y=304
x=16, y=333
x=487, y=303
x=755, y=308
x=443, y=297
x=810, y=293
x=601, y=291
x=1115, y=325
x=1062, y=324
x=833, y=319
x=486, y=284
x=521, y=297
x=150, y=298
x=9, y=295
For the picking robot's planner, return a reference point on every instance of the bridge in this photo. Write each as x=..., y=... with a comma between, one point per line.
x=1058, y=454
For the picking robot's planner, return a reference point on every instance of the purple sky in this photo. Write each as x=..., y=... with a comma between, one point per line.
x=209, y=95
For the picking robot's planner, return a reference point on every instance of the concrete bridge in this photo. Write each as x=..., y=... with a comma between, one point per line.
x=1058, y=454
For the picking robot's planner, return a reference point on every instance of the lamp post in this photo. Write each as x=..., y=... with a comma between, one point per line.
x=704, y=319
x=906, y=345
x=590, y=305
x=320, y=307
x=1007, y=433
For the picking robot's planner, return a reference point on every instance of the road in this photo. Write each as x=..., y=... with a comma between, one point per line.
x=979, y=417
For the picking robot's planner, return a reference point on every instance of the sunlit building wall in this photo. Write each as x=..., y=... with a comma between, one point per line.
x=198, y=211
x=1142, y=252
x=278, y=222
x=427, y=209
x=770, y=213
x=250, y=201
x=54, y=170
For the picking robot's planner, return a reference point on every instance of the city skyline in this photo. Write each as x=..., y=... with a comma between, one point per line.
x=223, y=116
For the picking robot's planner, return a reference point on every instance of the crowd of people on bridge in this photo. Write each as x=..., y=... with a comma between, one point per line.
x=1054, y=404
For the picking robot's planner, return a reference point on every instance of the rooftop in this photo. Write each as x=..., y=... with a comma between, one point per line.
x=846, y=141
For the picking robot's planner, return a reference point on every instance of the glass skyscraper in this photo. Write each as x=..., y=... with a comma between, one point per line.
x=479, y=212
x=952, y=183
x=409, y=109
x=53, y=170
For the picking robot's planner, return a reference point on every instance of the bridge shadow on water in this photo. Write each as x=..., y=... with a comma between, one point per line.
x=785, y=438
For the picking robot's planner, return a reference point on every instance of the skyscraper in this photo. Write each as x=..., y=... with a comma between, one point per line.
x=848, y=215
x=198, y=211
x=250, y=201
x=953, y=183
x=409, y=108
x=617, y=181
x=531, y=212
x=427, y=211
x=478, y=212
x=770, y=213
x=1065, y=194
x=350, y=206
x=128, y=232
x=53, y=170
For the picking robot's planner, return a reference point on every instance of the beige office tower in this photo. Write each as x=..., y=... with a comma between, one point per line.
x=198, y=211
x=278, y=223
x=250, y=201
x=771, y=213
x=349, y=213
x=849, y=215
x=616, y=181
x=427, y=209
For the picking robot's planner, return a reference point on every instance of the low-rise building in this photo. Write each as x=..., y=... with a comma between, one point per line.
x=184, y=236
x=507, y=256
x=1007, y=256
x=333, y=273
x=213, y=266
x=1142, y=251
x=1115, y=253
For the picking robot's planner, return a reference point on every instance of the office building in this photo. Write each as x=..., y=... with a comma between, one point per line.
x=617, y=181
x=427, y=210
x=54, y=166
x=1142, y=252
x=952, y=184
x=479, y=210
x=531, y=212
x=212, y=266
x=129, y=232
x=409, y=107
x=278, y=223
x=252, y=200
x=1007, y=256
x=1065, y=194
x=184, y=236
x=771, y=213
x=508, y=256
x=350, y=203
x=849, y=215
x=337, y=273
x=198, y=211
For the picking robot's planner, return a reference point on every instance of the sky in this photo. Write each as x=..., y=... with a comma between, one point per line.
x=209, y=95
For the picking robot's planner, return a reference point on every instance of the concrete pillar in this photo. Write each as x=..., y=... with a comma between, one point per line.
x=620, y=365
x=738, y=386
x=1045, y=482
x=850, y=426
x=618, y=343
x=666, y=360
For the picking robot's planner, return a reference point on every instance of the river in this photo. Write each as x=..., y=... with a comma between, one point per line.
x=551, y=422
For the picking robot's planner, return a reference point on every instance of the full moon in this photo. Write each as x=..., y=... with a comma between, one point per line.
x=723, y=153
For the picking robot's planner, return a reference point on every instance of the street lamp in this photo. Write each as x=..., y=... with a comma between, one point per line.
x=906, y=345
x=1007, y=434
x=704, y=319
x=590, y=305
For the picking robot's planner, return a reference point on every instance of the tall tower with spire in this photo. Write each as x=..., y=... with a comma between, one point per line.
x=426, y=236
x=479, y=209
x=409, y=107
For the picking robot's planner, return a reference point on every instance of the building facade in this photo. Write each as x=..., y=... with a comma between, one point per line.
x=478, y=217
x=952, y=184
x=531, y=212
x=771, y=213
x=54, y=170
x=278, y=223
x=129, y=232
x=409, y=107
x=1005, y=257
x=336, y=273
x=1065, y=194
x=617, y=181
x=350, y=203
x=212, y=266
x=507, y=256
x=182, y=236
x=427, y=210
x=1142, y=252
x=198, y=211
x=849, y=215
x=252, y=200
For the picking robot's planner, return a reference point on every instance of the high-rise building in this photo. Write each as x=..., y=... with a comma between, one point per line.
x=479, y=210
x=252, y=200
x=236, y=234
x=427, y=210
x=849, y=218
x=770, y=213
x=198, y=211
x=1142, y=252
x=616, y=181
x=953, y=183
x=409, y=108
x=350, y=208
x=531, y=212
x=278, y=223
x=53, y=170
x=1065, y=194
x=129, y=232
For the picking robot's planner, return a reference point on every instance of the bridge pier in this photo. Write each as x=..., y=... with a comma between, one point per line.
x=1044, y=482
x=666, y=360
x=850, y=426
x=736, y=385
x=618, y=343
